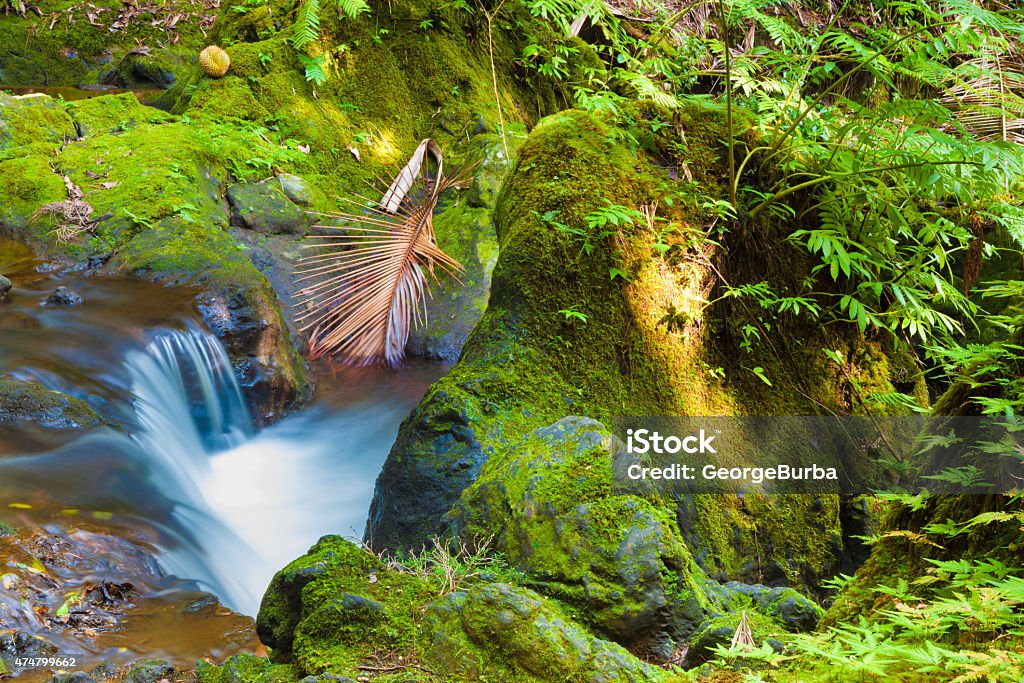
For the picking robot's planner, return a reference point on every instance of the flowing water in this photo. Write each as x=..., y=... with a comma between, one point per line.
x=221, y=505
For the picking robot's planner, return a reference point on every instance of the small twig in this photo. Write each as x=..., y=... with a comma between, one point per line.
x=494, y=73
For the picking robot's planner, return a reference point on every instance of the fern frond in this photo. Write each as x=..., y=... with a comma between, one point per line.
x=314, y=68
x=307, y=24
x=353, y=8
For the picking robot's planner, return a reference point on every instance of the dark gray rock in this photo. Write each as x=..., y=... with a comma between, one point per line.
x=435, y=457
x=62, y=296
x=264, y=207
x=5, y=287
x=152, y=671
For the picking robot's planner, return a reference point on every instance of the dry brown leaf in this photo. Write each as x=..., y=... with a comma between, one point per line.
x=405, y=179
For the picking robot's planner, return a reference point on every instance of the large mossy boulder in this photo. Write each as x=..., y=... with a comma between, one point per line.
x=552, y=506
x=595, y=320
x=340, y=608
x=498, y=627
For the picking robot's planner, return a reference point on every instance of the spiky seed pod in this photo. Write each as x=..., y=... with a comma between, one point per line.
x=214, y=61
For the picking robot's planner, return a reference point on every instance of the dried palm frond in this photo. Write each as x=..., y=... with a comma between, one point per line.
x=368, y=285
x=987, y=97
x=743, y=639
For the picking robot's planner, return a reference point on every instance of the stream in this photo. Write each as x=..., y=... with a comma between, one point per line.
x=219, y=506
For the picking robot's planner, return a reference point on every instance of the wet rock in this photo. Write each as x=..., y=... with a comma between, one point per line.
x=436, y=456
x=153, y=671
x=74, y=677
x=62, y=296
x=5, y=288
x=31, y=402
x=264, y=207
x=550, y=505
x=269, y=369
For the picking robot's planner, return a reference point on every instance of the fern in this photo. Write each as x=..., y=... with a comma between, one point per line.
x=314, y=67
x=307, y=24
x=353, y=8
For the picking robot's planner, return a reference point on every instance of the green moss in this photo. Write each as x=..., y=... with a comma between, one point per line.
x=31, y=402
x=339, y=608
x=720, y=630
x=28, y=183
x=244, y=668
x=7, y=530
x=550, y=504
x=113, y=114
x=765, y=539
x=76, y=50
x=32, y=124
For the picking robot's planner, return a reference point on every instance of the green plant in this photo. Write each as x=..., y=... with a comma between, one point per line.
x=306, y=31
x=877, y=177
x=573, y=313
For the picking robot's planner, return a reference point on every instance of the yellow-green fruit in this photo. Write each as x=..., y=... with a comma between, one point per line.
x=215, y=61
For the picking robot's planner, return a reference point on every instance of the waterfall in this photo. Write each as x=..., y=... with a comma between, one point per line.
x=245, y=503
x=225, y=506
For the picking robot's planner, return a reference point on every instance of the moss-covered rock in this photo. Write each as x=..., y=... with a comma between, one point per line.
x=102, y=42
x=550, y=502
x=340, y=607
x=22, y=401
x=245, y=668
x=466, y=232
x=32, y=124
x=593, y=321
x=265, y=208
x=720, y=630
x=498, y=626
x=111, y=114
x=792, y=610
